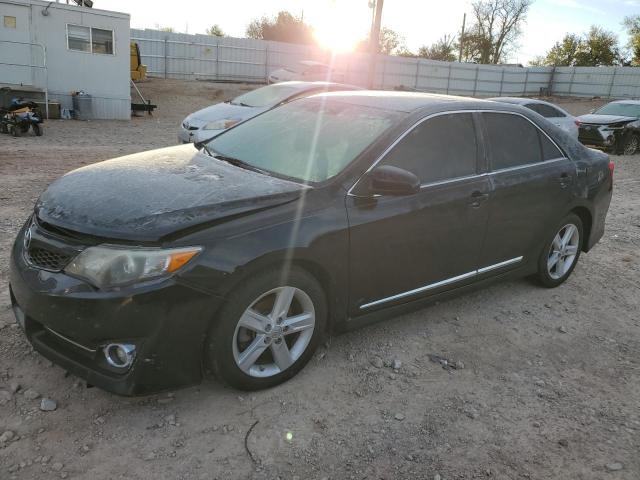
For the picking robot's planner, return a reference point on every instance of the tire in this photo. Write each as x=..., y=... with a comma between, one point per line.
x=37, y=129
x=552, y=274
x=631, y=144
x=15, y=131
x=272, y=349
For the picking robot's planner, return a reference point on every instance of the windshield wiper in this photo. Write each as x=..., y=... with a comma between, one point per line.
x=236, y=162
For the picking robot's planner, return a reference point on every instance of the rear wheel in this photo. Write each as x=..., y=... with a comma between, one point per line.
x=561, y=252
x=37, y=129
x=268, y=329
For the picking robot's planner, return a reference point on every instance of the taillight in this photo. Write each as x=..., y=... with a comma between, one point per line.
x=612, y=167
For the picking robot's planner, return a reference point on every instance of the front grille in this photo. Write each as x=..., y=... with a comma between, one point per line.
x=47, y=259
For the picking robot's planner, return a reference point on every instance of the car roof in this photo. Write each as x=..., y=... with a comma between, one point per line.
x=312, y=62
x=628, y=102
x=302, y=85
x=403, y=101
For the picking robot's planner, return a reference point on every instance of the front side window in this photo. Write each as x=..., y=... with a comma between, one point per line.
x=515, y=141
x=89, y=39
x=440, y=148
x=309, y=140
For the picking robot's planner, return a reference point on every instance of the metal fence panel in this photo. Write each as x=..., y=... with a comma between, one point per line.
x=204, y=57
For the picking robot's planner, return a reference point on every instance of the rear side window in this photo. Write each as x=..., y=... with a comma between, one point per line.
x=441, y=148
x=547, y=111
x=515, y=141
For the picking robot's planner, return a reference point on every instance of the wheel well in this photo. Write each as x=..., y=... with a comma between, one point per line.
x=585, y=216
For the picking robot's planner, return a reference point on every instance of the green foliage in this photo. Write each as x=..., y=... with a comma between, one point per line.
x=444, y=49
x=215, y=30
x=282, y=28
x=595, y=48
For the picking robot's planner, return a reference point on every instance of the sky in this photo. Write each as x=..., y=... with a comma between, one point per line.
x=420, y=22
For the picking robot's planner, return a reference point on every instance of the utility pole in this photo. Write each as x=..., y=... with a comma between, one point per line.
x=374, y=42
x=464, y=20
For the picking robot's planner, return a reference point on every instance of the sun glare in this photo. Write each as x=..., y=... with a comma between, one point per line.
x=335, y=30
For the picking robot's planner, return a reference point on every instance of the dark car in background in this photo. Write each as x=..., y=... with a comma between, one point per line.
x=615, y=127
x=141, y=273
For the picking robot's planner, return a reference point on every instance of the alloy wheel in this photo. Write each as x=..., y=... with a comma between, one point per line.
x=563, y=251
x=631, y=146
x=274, y=332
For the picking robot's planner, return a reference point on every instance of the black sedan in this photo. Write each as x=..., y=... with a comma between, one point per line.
x=141, y=273
x=615, y=127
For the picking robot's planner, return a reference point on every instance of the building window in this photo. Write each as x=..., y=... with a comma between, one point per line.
x=89, y=39
x=79, y=38
x=102, y=41
x=9, y=22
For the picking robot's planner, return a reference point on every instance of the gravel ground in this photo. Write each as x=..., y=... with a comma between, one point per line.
x=547, y=384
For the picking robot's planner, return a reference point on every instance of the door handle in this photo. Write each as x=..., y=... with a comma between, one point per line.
x=478, y=198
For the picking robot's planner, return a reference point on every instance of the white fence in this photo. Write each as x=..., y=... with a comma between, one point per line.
x=203, y=57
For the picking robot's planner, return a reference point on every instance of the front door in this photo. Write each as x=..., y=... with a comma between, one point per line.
x=403, y=248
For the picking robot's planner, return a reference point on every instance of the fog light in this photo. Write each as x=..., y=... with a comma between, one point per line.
x=120, y=355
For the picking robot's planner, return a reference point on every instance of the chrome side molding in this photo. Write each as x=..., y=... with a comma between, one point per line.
x=442, y=283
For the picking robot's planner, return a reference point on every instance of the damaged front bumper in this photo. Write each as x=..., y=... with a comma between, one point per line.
x=70, y=322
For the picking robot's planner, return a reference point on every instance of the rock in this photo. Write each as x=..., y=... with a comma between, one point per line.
x=377, y=362
x=539, y=383
x=458, y=365
x=7, y=436
x=30, y=394
x=5, y=397
x=64, y=475
x=57, y=466
x=614, y=467
x=536, y=424
x=437, y=476
x=86, y=448
x=396, y=364
x=14, y=387
x=562, y=329
x=472, y=414
x=399, y=416
x=99, y=421
x=48, y=405
x=352, y=358
x=563, y=442
x=170, y=419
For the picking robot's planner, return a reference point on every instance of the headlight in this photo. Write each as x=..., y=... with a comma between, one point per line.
x=113, y=266
x=221, y=124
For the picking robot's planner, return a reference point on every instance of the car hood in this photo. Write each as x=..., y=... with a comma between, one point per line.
x=597, y=119
x=149, y=195
x=222, y=111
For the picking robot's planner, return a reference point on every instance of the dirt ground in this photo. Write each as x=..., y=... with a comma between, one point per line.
x=550, y=387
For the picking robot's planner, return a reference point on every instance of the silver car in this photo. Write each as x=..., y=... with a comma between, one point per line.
x=208, y=122
x=556, y=115
x=307, y=70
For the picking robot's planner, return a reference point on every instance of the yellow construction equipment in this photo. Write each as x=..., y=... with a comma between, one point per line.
x=138, y=71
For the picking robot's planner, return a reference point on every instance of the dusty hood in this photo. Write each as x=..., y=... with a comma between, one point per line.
x=604, y=119
x=146, y=196
x=221, y=111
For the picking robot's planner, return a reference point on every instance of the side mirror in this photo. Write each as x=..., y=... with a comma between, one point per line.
x=390, y=180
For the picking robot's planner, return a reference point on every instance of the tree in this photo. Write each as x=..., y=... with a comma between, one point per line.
x=282, y=28
x=564, y=53
x=390, y=43
x=595, y=48
x=215, y=31
x=444, y=49
x=496, y=26
x=598, y=47
x=632, y=25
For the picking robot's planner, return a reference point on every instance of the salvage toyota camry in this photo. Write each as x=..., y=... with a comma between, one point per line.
x=145, y=272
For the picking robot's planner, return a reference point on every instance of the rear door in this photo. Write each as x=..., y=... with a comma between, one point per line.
x=402, y=248
x=532, y=187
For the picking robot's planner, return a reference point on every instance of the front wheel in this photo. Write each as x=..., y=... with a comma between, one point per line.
x=268, y=329
x=561, y=252
x=631, y=144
